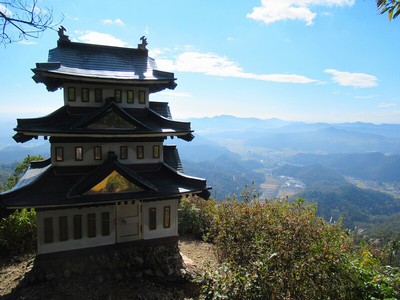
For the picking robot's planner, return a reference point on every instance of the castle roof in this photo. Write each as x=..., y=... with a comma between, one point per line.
x=110, y=120
x=79, y=62
x=45, y=186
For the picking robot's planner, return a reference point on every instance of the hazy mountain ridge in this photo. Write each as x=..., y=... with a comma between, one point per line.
x=370, y=166
x=299, y=136
x=17, y=152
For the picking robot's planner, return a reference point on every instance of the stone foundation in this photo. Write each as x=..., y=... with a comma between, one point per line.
x=158, y=258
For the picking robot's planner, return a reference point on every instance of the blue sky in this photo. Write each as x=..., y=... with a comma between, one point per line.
x=300, y=60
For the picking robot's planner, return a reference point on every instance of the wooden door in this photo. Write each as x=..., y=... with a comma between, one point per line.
x=128, y=221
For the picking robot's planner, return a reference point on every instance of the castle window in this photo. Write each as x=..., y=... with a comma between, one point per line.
x=71, y=94
x=97, y=153
x=98, y=95
x=85, y=95
x=156, y=151
x=78, y=153
x=152, y=218
x=91, y=225
x=77, y=227
x=63, y=228
x=167, y=216
x=59, y=153
x=105, y=223
x=123, y=152
x=118, y=96
x=142, y=97
x=129, y=97
x=48, y=230
x=140, y=152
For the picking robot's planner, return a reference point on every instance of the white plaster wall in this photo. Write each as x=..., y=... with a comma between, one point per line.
x=72, y=244
x=88, y=153
x=160, y=231
x=108, y=91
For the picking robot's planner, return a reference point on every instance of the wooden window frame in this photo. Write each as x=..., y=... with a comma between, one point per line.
x=142, y=97
x=85, y=95
x=140, y=152
x=78, y=156
x=77, y=227
x=123, y=152
x=167, y=217
x=97, y=153
x=91, y=225
x=118, y=95
x=98, y=95
x=71, y=94
x=152, y=218
x=63, y=228
x=156, y=151
x=59, y=153
x=130, y=97
x=48, y=230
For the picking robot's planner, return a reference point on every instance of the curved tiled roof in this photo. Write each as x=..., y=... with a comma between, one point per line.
x=66, y=186
x=77, y=61
x=76, y=121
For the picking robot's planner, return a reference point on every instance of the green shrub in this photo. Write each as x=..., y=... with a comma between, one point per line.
x=195, y=216
x=18, y=232
x=282, y=250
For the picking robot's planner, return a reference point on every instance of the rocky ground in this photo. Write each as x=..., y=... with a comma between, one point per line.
x=196, y=255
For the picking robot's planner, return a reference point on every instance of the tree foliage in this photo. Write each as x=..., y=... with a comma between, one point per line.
x=23, y=19
x=391, y=7
x=283, y=250
x=18, y=233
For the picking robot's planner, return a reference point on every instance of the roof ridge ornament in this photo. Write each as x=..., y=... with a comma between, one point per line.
x=143, y=45
x=62, y=36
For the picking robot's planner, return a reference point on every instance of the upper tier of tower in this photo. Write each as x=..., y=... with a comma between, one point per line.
x=72, y=63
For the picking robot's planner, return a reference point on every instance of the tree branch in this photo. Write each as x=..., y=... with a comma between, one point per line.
x=20, y=20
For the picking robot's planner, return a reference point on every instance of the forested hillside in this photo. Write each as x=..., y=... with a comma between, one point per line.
x=227, y=176
x=338, y=198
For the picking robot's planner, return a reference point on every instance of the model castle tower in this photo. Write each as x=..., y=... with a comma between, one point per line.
x=110, y=178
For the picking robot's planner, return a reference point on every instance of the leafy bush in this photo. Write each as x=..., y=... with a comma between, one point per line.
x=282, y=250
x=195, y=216
x=18, y=232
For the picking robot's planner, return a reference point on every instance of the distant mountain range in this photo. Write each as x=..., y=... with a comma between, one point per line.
x=325, y=138
x=369, y=166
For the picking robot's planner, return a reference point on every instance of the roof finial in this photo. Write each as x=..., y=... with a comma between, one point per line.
x=143, y=44
x=61, y=34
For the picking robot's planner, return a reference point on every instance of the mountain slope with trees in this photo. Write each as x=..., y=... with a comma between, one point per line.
x=337, y=198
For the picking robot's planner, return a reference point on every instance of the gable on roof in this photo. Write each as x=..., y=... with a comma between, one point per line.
x=109, y=178
x=111, y=116
x=114, y=183
x=111, y=120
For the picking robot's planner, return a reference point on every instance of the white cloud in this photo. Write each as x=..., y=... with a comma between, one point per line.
x=356, y=80
x=272, y=11
x=26, y=42
x=387, y=105
x=365, y=97
x=113, y=22
x=215, y=65
x=93, y=37
x=176, y=94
